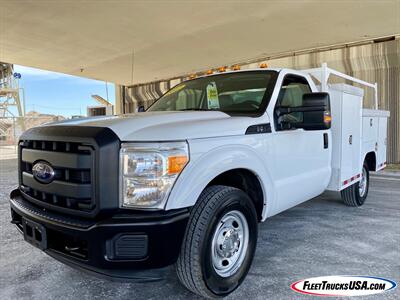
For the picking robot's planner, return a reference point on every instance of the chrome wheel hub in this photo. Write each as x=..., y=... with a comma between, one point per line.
x=229, y=244
x=362, y=185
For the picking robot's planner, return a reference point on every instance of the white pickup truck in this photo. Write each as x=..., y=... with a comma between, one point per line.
x=188, y=181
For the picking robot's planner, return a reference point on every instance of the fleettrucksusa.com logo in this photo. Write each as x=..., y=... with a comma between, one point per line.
x=339, y=286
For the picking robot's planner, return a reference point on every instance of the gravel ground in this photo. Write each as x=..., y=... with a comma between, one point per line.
x=319, y=237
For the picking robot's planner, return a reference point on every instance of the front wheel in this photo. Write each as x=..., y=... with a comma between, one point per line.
x=219, y=242
x=356, y=194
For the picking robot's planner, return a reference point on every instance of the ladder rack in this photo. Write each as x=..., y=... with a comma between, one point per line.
x=322, y=75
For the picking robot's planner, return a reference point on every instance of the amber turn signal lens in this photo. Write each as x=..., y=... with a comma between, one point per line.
x=327, y=118
x=176, y=164
x=263, y=65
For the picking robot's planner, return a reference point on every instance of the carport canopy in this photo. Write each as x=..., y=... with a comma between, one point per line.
x=107, y=40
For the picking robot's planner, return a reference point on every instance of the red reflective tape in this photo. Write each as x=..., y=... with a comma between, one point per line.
x=351, y=179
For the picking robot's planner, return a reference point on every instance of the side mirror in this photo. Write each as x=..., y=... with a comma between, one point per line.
x=316, y=112
x=140, y=108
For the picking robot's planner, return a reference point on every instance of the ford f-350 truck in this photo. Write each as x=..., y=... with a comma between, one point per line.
x=188, y=181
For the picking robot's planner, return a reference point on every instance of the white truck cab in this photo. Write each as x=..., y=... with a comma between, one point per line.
x=188, y=181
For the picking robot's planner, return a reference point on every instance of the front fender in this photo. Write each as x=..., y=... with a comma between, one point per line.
x=205, y=167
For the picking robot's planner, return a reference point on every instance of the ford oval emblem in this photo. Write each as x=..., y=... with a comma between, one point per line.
x=43, y=172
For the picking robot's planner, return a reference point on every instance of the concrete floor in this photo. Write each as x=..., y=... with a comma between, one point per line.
x=319, y=237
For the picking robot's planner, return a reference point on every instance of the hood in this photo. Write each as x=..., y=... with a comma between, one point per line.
x=166, y=126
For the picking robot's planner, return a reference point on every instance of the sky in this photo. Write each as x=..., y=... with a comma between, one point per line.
x=60, y=94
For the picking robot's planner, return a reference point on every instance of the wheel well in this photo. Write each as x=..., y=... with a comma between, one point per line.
x=370, y=159
x=245, y=180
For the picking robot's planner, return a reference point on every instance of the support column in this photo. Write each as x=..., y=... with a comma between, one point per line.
x=119, y=99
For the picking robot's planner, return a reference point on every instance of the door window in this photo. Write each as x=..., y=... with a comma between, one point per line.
x=291, y=95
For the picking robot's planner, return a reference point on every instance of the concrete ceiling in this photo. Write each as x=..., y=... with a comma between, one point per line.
x=96, y=39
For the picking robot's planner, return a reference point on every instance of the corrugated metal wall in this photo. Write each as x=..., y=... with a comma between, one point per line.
x=373, y=62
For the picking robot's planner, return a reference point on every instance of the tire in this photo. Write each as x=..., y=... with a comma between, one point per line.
x=199, y=260
x=355, y=194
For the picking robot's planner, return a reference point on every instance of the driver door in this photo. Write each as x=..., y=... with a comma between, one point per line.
x=301, y=164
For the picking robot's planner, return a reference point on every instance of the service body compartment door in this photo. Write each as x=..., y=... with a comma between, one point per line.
x=382, y=143
x=370, y=129
x=346, y=108
x=351, y=139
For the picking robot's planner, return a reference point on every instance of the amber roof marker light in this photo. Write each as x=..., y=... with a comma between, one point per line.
x=222, y=69
x=263, y=65
x=209, y=72
x=235, y=67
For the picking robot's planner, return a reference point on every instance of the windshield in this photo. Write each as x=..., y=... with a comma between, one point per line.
x=234, y=93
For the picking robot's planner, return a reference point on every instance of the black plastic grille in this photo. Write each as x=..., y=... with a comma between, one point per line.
x=54, y=146
x=70, y=175
x=72, y=188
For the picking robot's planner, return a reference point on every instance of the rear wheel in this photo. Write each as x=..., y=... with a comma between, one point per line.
x=219, y=242
x=356, y=194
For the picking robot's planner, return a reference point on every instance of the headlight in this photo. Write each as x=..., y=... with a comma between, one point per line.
x=148, y=172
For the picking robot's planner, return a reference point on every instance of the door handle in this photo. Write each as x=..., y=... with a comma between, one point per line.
x=326, y=141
